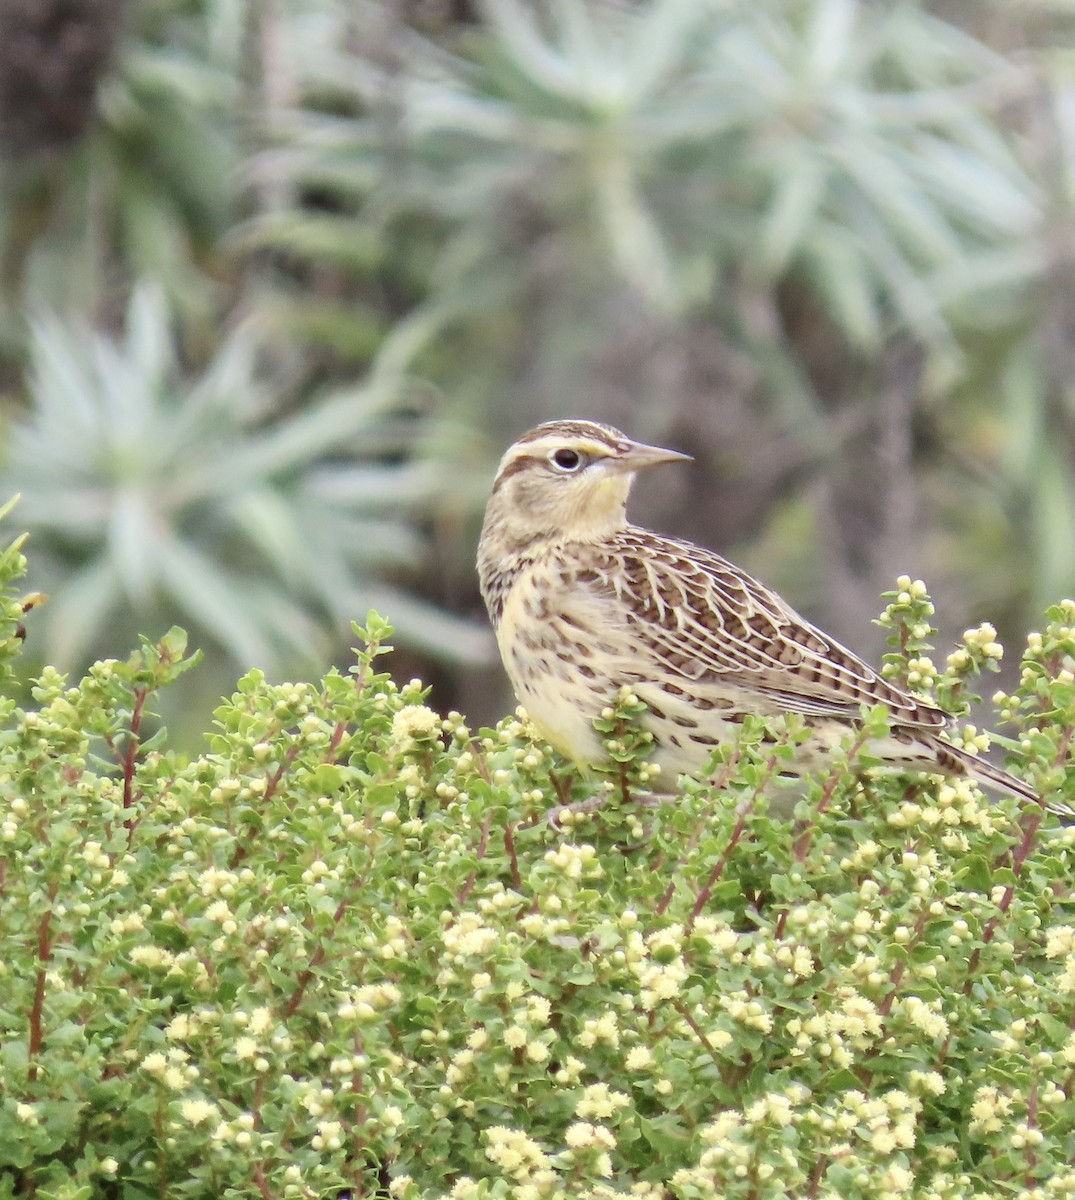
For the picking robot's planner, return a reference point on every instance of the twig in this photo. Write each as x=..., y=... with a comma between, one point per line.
x=260, y=1182
x=316, y=959
x=814, y=1184
x=44, y=954
x=718, y=784
x=699, y=1033
x=509, y=846
x=802, y=842
x=898, y=969
x=132, y=745
x=483, y=843
x=272, y=782
x=721, y=863
x=334, y=741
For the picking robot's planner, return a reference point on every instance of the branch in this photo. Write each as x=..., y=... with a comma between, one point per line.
x=133, y=742
x=44, y=954
x=316, y=959
x=483, y=843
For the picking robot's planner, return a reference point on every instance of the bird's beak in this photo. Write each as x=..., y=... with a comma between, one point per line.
x=640, y=456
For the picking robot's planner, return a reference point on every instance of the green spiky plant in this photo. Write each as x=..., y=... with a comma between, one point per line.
x=154, y=494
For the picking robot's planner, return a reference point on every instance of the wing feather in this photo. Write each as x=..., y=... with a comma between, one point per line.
x=706, y=622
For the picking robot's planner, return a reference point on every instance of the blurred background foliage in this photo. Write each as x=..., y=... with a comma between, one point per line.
x=279, y=280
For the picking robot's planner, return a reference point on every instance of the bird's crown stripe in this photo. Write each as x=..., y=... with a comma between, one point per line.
x=602, y=435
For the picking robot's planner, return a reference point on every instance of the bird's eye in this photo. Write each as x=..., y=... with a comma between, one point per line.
x=566, y=460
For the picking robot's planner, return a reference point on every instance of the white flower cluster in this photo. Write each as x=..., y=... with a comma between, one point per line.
x=414, y=724
x=198, y=1111
x=853, y=1024
x=982, y=640
x=730, y=1144
x=467, y=936
x=604, y=1030
x=887, y=1123
x=239, y=1131
x=599, y=1101
x=363, y=1003
x=582, y=1136
x=575, y=862
x=17, y=811
x=925, y=1016
x=990, y=1109
x=172, y=1069
x=747, y=1011
x=518, y=1155
x=660, y=969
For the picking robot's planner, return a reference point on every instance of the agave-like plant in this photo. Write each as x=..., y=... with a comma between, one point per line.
x=674, y=141
x=152, y=496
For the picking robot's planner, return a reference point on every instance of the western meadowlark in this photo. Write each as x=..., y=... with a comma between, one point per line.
x=584, y=603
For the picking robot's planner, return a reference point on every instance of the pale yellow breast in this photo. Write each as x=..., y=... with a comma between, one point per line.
x=561, y=661
x=568, y=650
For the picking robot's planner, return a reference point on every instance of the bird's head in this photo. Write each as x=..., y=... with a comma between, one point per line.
x=568, y=481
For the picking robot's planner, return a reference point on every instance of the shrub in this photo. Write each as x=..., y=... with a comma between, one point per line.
x=358, y=946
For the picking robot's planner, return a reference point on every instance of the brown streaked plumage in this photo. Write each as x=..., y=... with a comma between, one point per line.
x=584, y=603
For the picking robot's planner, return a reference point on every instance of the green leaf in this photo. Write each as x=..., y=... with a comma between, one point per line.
x=666, y=1134
x=977, y=873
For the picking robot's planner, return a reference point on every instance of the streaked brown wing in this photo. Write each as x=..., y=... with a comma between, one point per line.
x=704, y=620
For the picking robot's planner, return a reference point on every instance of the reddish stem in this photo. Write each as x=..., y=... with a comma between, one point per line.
x=1019, y=856
x=273, y=781
x=509, y=846
x=718, y=867
x=334, y=741
x=733, y=841
x=316, y=959
x=563, y=792
x=699, y=1033
x=483, y=843
x=802, y=842
x=341, y=726
x=896, y=975
x=480, y=765
x=130, y=755
x=718, y=784
x=815, y=1177
x=260, y=1182
x=44, y=953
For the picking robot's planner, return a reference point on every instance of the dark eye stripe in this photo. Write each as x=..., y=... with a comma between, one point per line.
x=513, y=468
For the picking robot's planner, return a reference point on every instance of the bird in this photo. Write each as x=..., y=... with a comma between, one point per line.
x=584, y=604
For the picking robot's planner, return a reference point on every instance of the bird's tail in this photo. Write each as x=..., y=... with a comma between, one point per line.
x=964, y=763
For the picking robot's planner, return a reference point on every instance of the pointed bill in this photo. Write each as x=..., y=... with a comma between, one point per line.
x=640, y=456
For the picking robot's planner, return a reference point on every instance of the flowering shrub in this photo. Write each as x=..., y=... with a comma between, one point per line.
x=356, y=946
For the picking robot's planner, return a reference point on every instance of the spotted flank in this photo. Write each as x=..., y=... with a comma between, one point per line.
x=584, y=602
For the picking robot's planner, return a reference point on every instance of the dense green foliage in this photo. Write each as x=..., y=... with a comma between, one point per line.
x=354, y=944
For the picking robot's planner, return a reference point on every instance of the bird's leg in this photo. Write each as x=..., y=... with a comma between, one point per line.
x=563, y=793
x=561, y=787
x=555, y=815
